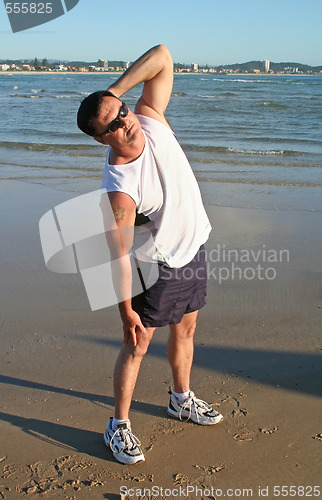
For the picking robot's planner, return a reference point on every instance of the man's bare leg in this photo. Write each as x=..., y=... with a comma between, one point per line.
x=180, y=355
x=126, y=372
x=180, y=351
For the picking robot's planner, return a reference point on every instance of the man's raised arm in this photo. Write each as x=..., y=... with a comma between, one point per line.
x=155, y=70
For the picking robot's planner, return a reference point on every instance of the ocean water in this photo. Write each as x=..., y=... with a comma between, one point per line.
x=252, y=141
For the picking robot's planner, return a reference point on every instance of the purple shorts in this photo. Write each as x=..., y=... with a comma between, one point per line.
x=178, y=291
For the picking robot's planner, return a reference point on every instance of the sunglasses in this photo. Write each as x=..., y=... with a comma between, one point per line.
x=116, y=123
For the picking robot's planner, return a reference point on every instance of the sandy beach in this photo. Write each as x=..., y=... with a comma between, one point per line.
x=257, y=359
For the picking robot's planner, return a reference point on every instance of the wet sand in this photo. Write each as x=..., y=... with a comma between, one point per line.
x=257, y=359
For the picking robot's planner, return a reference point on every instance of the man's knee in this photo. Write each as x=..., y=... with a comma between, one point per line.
x=140, y=349
x=143, y=342
x=191, y=329
x=187, y=331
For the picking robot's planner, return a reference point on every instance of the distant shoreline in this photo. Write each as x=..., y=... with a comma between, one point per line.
x=102, y=73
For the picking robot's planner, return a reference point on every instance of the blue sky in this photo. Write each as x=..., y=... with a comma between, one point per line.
x=209, y=32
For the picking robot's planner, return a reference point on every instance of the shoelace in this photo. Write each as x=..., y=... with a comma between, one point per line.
x=192, y=402
x=127, y=438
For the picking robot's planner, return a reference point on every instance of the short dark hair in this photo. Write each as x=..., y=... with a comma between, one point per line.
x=89, y=109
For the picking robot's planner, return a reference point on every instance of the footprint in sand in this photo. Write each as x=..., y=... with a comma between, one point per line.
x=244, y=435
x=268, y=431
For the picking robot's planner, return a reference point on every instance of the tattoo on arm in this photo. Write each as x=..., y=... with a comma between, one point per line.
x=118, y=211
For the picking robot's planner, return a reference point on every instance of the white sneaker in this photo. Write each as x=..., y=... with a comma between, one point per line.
x=193, y=409
x=124, y=445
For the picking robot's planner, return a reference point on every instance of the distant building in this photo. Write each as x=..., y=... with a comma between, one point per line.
x=195, y=67
x=4, y=67
x=291, y=69
x=267, y=66
x=102, y=64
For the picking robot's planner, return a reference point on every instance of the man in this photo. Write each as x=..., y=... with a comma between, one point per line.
x=147, y=173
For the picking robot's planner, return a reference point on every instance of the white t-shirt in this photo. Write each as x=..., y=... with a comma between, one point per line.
x=164, y=188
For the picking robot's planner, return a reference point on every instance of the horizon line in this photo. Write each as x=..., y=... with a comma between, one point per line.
x=57, y=60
